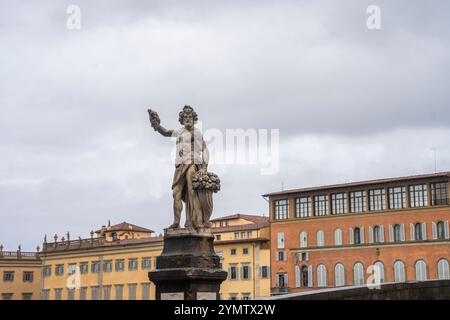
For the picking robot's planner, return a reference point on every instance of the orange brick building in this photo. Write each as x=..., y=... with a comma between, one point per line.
x=334, y=235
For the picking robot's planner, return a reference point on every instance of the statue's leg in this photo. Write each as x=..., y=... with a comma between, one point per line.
x=194, y=213
x=177, y=205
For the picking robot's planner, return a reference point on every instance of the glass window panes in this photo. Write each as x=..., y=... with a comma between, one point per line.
x=418, y=195
x=338, y=203
x=303, y=207
x=397, y=197
x=321, y=205
x=377, y=199
x=281, y=208
x=357, y=201
x=439, y=193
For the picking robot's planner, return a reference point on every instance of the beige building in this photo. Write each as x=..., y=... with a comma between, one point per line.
x=21, y=275
x=114, y=263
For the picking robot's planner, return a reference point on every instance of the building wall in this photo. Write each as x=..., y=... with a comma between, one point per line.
x=18, y=287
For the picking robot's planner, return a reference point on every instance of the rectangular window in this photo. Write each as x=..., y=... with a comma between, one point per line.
x=264, y=272
x=119, y=291
x=106, y=292
x=243, y=235
x=8, y=276
x=71, y=268
x=397, y=197
x=245, y=251
x=132, y=291
x=7, y=296
x=236, y=235
x=321, y=205
x=249, y=234
x=218, y=237
x=233, y=273
x=59, y=270
x=83, y=293
x=281, y=209
x=107, y=266
x=245, y=272
x=338, y=203
x=70, y=294
x=377, y=199
x=94, y=293
x=120, y=265
x=146, y=291
x=28, y=276
x=246, y=296
x=45, y=294
x=27, y=296
x=95, y=267
x=233, y=252
x=280, y=255
x=132, y=264
x=84, y=267
x=439, y=193
x=146, y=263
x=418, y=195
x=303, y=207
x=58, y=294
x=47, y=271
x=357, y=201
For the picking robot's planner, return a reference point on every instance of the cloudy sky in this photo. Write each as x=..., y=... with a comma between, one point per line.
x=75, y=142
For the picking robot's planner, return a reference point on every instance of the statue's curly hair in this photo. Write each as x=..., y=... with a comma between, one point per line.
x=187, y=110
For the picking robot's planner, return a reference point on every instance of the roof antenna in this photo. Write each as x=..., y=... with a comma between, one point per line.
x=434, y=149
x=109, y=223
x=282, y=185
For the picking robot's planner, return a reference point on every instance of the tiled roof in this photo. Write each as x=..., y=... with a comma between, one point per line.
x=361, y=183
x=125, y=226
x=249, y=217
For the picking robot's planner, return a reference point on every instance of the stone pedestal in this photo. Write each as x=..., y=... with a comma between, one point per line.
x=188, y=268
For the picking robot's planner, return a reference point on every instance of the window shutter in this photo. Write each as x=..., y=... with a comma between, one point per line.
x=310, y=276
x=350, y=234
x=277, y=256
x=297, y=276
x=402, y=232
x=249, y=272
x=285, y=276
x=229, y=273
x=411, y=232
x=446, y=230
x=434, y=230
x=362, y=234
x=424, y=231
x=391, y=233
x=382, y=234
x=280, y=240
x=370, y=235
x=277, y=281
x=307, y=256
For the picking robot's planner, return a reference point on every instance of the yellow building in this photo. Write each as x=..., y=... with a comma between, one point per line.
x=114, y=264
x=21, y=275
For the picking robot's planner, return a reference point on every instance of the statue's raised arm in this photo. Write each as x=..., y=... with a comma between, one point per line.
x=156, y=124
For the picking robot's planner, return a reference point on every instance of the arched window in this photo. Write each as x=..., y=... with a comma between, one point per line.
x=379, y=271
x=399, y=271
x=339, y=275
x=338, y=237
x=357, y=236
x=376, y=234
x=358, y=274
x=397, y=233
x=304, y=276
x=321, y=275
x=443, y=270
x=418, y=231
x=421, y=270
x=320, y=238
x=303, y=239
x=440, y=230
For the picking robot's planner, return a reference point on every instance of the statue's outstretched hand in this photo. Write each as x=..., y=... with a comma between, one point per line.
x=154, y=119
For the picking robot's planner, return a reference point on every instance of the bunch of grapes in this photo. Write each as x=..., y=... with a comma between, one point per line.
x=206, y=181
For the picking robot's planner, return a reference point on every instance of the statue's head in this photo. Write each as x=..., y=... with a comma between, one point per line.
x=188, y=117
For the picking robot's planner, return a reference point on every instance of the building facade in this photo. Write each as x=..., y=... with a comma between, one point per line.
x=21, y=275
x=387, y=230
x=114, y=263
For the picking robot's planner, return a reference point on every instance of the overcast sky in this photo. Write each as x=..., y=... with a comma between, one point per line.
x=76, y=146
